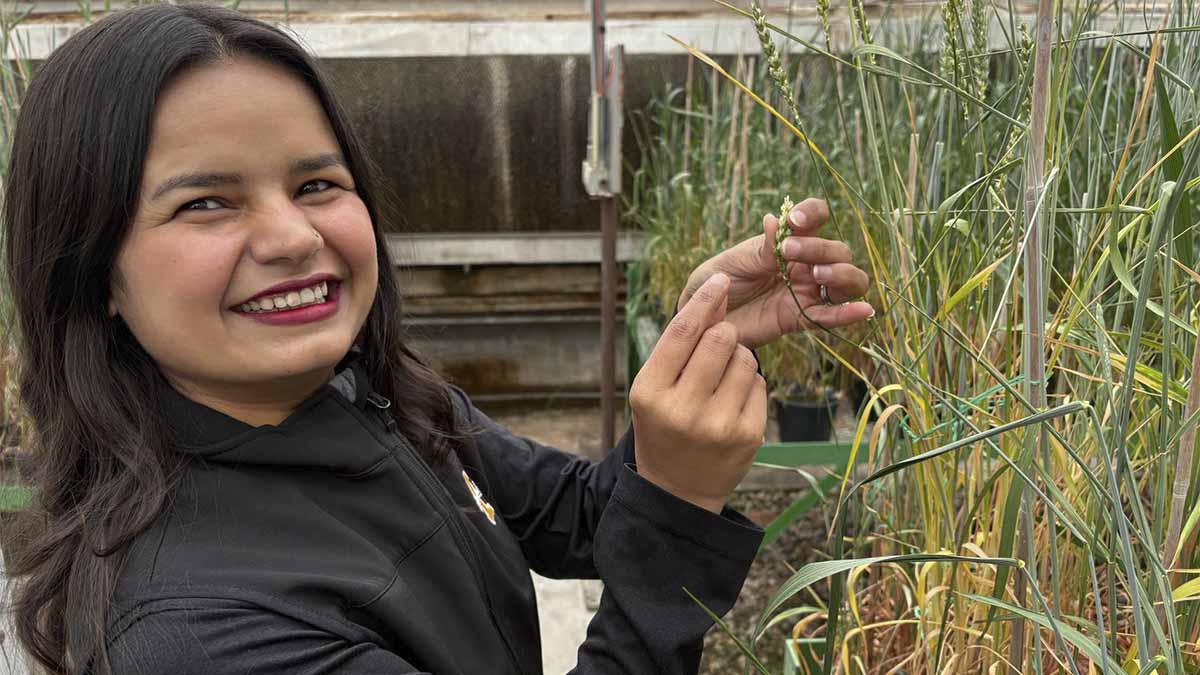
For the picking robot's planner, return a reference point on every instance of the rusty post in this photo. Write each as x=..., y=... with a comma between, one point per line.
x=608, y=320
x=602, y=180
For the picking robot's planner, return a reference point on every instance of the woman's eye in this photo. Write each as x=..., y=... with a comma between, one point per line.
x=314, y=186
x=206, y=204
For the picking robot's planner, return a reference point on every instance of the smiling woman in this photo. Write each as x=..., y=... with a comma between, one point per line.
x=246, y=220
x=240, y=465
x=242, y=177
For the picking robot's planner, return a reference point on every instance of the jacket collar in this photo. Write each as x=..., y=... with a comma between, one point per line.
x=316, y=434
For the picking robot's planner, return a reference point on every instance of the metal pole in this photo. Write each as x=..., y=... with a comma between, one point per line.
x=598, y=56
x=608, y=227
x=608, y=319
x=602, y=180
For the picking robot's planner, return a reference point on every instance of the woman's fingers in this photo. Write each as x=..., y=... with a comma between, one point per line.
x=704, y=370
x=688, y=441
x=816, y=251
x=843, y=282
x=803, y=220
x=814, y=262
x=754, y=414
x=808, y=216
x=681, y=336
x=770, y=229
x=833, y=316
x=737, y=381
x=738, y=407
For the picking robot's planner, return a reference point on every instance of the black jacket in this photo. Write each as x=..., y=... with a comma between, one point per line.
x=327, y=545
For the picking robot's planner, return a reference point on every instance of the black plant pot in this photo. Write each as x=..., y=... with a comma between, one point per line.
x=860, y=394
x=803, y=421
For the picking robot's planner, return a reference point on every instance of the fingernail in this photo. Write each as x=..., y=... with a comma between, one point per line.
x=719, y=280
x=872, y=314
x=821, y=272
x=791, y=248
x=797, y=217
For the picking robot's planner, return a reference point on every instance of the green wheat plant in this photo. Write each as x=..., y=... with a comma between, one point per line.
x=710, y=165
x=1024, y=196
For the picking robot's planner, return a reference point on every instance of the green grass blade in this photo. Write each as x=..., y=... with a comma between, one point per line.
x=751, y=658
x=798, y=508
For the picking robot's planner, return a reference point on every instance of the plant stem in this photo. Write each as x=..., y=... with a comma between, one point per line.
x=1183, y=472
x=1034, y=347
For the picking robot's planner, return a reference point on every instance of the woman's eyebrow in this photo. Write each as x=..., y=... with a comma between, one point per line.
x=210, y=179
x=195, y=180
x=318, y=162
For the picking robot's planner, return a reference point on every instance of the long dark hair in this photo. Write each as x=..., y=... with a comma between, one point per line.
x=104, y=465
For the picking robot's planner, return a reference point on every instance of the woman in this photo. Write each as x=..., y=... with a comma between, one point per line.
x=241, y=467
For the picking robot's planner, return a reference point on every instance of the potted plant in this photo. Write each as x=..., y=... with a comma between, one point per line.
x=805, y=413
x=804, y=383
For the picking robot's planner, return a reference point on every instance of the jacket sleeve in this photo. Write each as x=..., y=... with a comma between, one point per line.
x=550, y=500
x=652, y=550
x=203, y=636
x=575, y=517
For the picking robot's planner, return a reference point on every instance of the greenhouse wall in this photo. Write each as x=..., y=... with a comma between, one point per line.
x=476, y=112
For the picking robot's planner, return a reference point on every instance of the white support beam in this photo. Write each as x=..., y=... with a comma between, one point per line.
x=476, y=10
x=525, y=248
x=384, y=38
x=349, y=29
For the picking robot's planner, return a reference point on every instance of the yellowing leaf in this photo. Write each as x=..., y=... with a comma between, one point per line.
x=1188, y=590
x=974, y=282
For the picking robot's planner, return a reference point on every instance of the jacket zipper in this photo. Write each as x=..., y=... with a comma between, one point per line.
x=432, y=486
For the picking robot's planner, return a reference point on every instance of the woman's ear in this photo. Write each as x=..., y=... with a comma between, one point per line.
x=112, y=308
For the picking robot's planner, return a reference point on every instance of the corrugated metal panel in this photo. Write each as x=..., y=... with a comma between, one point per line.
x=482, y=127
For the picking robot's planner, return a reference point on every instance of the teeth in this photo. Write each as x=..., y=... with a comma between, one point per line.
x=308, y=296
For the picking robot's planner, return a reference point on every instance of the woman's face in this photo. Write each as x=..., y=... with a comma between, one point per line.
x=245, y=205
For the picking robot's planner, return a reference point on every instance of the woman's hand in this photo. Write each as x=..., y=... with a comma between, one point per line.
x=699, y=405
x=760, y=306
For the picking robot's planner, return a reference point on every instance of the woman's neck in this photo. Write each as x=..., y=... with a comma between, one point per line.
x=255, y=405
